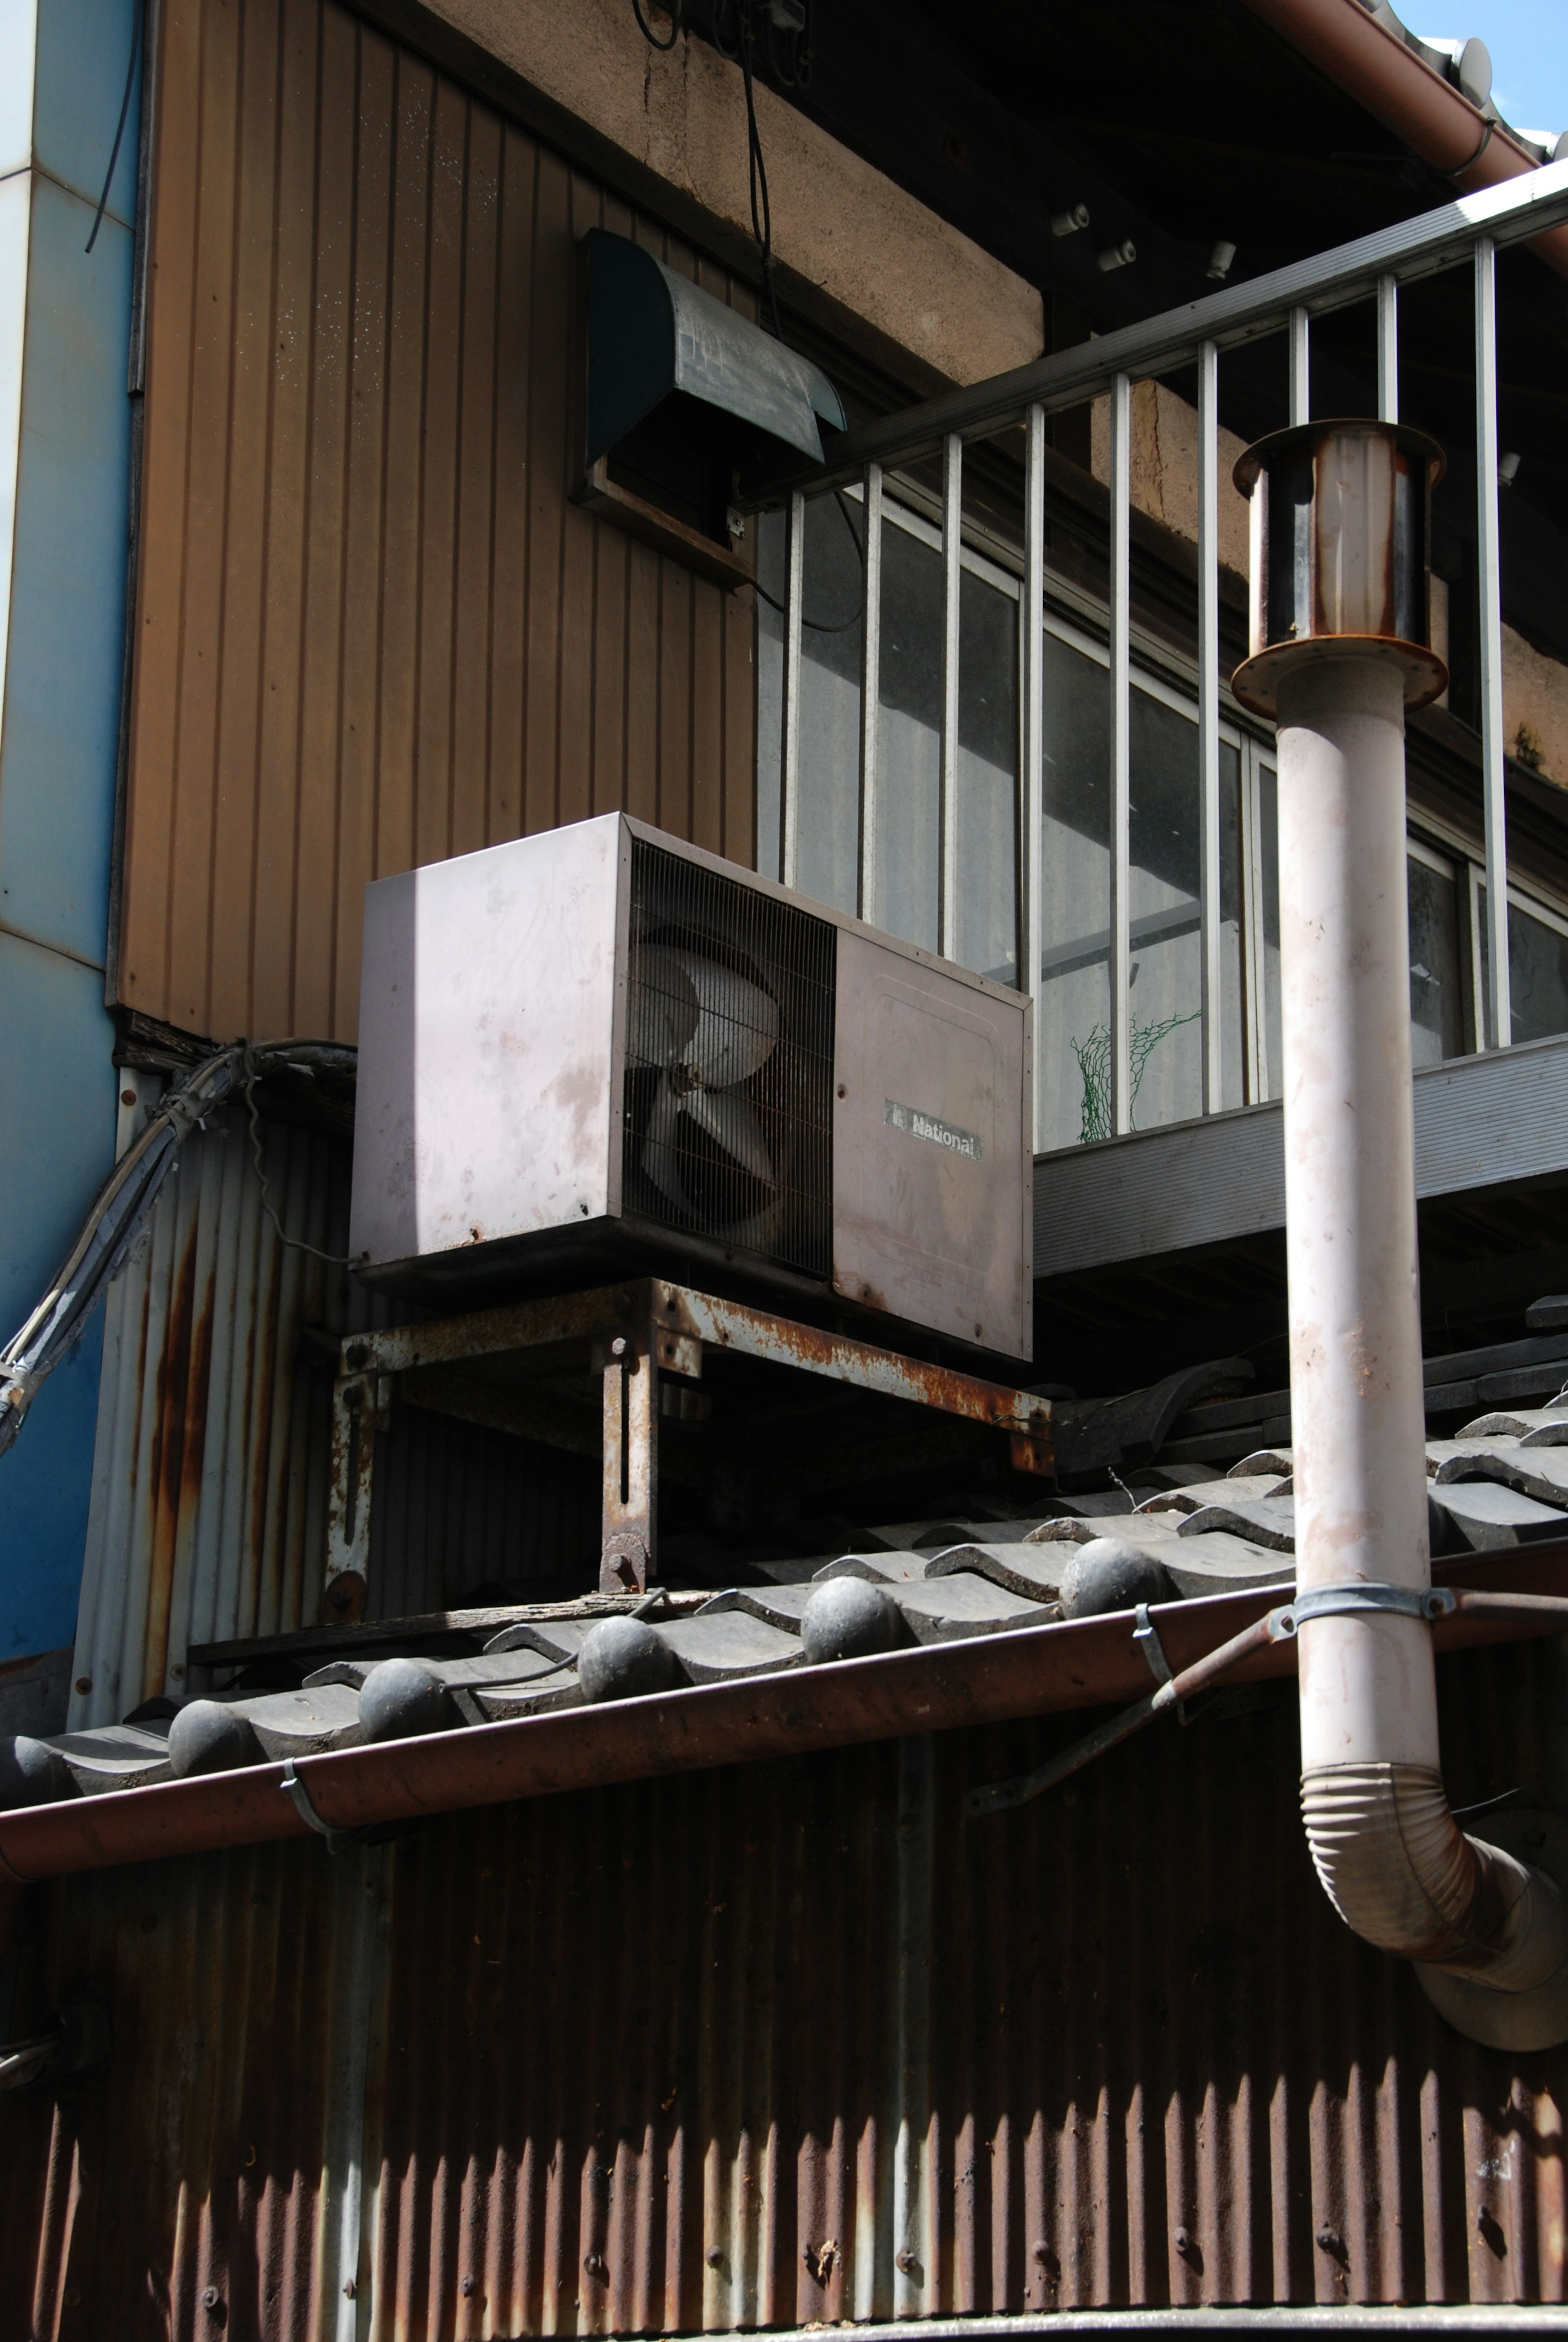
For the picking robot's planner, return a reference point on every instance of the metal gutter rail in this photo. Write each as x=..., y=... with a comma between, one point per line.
x=992, y=1679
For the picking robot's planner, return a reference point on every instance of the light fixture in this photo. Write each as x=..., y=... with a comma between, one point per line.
x=1220, y=260
x=1069, y=222
x=1117, y=255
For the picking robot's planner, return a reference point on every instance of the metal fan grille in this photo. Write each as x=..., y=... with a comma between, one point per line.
x=728, y=1129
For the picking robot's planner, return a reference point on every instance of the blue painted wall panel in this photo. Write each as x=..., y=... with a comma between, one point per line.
x=57, y=1141
x=61, y=732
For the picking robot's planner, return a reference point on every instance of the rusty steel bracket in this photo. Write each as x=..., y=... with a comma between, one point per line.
x=636, y=1331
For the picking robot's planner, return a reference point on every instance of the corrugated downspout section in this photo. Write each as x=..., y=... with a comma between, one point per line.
x=208, y=1515
x=791, y=2044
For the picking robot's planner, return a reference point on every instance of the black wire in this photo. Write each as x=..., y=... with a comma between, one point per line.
x=646, y=30
x=841, y=625
x=120, y=126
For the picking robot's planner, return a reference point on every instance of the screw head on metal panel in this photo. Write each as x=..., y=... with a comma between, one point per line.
x=1069, y=222
x=211, y=2296
x=714, y=2257
x=357, y=1356
x=1117, y=255
x=466, y=2285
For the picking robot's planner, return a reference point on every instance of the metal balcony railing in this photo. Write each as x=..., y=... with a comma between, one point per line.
x=1463, y=234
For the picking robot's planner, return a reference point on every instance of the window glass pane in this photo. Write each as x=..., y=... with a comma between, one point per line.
x=1267, y=915
x=1073, y=1002
x=1537, y=971
x=1436, y=1018
x=986, y=910
x=909, y=739
x=1165, y=1011
x=829, y=811
x=1231, y=1028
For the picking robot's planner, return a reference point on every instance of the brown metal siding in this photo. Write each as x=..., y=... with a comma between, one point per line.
x=371, y=629
x=715, y=2051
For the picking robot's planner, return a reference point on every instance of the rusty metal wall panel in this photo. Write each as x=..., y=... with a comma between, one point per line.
x=208, y=2182
x=372, y=630
x=208, y=1514
x=791, y=2044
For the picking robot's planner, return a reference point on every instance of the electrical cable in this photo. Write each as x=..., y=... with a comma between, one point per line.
x=645, y=29
x=120, y=128
x=841, y=625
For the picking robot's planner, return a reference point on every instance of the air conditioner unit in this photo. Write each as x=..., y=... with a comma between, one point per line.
x=599, y=1050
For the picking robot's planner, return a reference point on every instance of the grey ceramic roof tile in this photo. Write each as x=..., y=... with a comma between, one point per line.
x=1264, y=1459
x=1540, y=1472
x=723, y=1648
x=1142, y=1529
x=114, y=1756
x=776, y=1605
x=559, y=1638
x=1227, y=1491
x=1034, y=1571
x=302, y=1723
x=503, y=1703
x=882, y=1568
x=1533, y=1427
x=948, y=1608
x=1268, y=1521
x=1487, y=1514
x=1220, y=1563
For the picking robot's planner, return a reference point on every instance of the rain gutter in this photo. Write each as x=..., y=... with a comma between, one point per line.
x=1366, y=57
x=989, y=1679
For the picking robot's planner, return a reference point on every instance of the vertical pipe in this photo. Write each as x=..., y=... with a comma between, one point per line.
x=1499, y=1018
x=1388, y=349
x=1032, y=842
x=1212, y=976
x=870, y=696
x=952, y=574
x=1301, y=368
x=789, y=758
x=1121, y=763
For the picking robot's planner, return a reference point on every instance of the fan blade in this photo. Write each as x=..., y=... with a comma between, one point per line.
x=733, y=1123
x=737, y=1026
x=658, y=1157
x=665, y=1010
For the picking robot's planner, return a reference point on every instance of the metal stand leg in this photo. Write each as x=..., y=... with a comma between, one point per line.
x=355, y=1420
x=631, y=1465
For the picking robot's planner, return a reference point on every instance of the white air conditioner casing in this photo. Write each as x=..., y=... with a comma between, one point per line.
x=600, y=1050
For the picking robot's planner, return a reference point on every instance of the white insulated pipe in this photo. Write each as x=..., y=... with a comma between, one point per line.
x=1386, y=1846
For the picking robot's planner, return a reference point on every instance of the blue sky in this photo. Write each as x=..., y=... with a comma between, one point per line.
x=1529, y=43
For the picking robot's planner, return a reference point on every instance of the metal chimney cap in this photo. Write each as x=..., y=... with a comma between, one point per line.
x=1341, y=523
x=1264, y=453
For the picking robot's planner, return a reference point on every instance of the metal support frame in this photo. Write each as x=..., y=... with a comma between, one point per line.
x=870, y=850
x=638, y=1331
x=1211, y=996
x=952, y=609
x=1121, y=752
x=789, y=777
x=1032, y=676
x=1498, y=1005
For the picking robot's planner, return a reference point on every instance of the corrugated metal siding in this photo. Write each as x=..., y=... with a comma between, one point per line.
x=208, y=1514
x=791, y=2044
x=371, y=631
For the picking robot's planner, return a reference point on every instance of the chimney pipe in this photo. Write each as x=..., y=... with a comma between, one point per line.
x=1340, y=649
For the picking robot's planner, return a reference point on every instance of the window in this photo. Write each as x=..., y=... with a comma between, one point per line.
x=894, y=872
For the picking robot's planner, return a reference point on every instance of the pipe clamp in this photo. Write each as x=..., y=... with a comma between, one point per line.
x=1347, y=1601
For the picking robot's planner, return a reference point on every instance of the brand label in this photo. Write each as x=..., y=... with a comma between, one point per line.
x=932, y=1126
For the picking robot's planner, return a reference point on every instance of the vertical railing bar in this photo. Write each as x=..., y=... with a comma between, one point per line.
x=1032, y=842
x=1388, y=349
x=789, y=790
x=1121, y=762
x=952, y=573
x=1211, y=980
x=870, y=696
x=1499, y=1004
x=1301, y=368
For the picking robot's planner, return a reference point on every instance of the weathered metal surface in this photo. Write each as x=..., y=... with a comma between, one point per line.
x=371, y=630
x=788, y=2044
x=209, y=1513
x=991, y=1678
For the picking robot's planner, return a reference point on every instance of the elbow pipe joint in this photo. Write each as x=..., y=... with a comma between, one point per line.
x=1485, y=1923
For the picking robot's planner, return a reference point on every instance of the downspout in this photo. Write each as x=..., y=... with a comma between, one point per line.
x=1338, y=668
x=1363, y=54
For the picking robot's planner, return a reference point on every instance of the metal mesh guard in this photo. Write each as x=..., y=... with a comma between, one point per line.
x=729, y=1064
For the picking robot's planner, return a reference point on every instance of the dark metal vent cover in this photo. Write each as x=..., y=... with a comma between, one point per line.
x=729, y=1064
